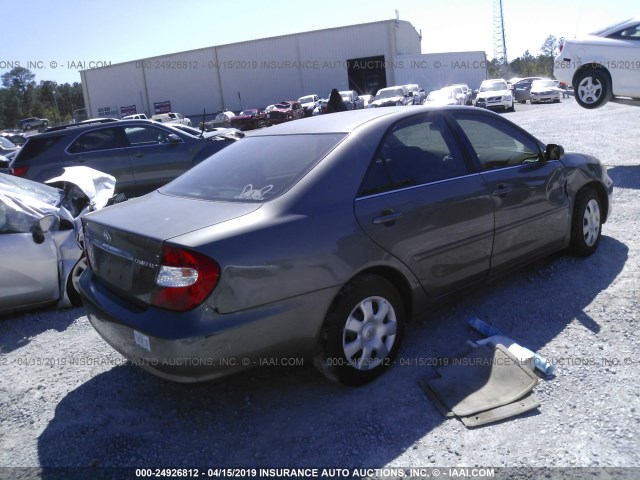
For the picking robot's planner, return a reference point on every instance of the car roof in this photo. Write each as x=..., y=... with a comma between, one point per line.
x=346, y=122
x=82, y=127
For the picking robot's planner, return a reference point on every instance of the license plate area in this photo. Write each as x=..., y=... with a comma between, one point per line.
x=113, y=265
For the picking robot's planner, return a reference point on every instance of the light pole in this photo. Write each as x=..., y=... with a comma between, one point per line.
x=55, y=103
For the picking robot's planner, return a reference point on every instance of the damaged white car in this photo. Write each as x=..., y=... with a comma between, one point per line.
x=39, y=227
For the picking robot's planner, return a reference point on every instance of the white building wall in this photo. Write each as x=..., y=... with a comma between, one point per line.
x=189, y=80
x=119, y=85
x=248, y=74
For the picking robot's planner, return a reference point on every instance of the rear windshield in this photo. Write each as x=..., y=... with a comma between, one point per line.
x=255, y=169
x=35, y=146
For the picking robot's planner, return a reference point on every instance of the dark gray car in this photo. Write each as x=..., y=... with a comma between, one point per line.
x=142, y=155
x=321, y=238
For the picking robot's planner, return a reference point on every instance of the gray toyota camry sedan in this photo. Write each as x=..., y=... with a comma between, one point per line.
x=321, y=238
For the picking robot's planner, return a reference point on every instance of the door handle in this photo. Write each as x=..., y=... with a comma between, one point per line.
x=501, y=191
x=387, y=217
x=139, y=154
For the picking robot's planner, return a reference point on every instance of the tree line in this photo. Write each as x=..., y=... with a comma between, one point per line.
x=528, y=65
x=22, y=97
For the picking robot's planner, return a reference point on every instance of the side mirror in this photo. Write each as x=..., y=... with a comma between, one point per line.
x=553, y=152
x=173, y=138
x=42, y=226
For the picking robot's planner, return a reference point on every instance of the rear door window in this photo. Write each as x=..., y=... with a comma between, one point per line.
x=94, y=140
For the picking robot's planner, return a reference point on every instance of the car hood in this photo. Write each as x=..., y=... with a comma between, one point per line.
x=382, y=101
x=495, y=93
x=160, y=217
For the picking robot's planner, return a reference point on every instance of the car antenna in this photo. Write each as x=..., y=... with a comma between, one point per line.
x=203, y=117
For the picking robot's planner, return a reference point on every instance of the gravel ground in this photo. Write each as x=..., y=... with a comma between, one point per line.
x=69, y=400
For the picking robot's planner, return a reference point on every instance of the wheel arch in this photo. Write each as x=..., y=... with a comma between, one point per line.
x=398, y=280
x=602, y=195
x=592, y=66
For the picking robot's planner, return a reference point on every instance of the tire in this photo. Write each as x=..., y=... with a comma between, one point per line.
x=586, y=224
x=592, y=88
x=513, y=106
x=356, y=343
x=522, y=101
x=72, y=282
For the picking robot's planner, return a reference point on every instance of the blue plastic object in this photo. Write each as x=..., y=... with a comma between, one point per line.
x=540, y=363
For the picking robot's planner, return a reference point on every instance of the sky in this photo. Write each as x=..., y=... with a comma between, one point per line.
x=56, y=39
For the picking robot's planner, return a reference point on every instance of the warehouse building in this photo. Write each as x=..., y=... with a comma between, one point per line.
x=257, y=73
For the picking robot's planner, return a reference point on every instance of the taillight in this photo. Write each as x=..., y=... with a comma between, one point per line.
x=20, y=171
x=185, y=279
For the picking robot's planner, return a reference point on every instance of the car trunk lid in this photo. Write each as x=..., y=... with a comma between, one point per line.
x=125, y=242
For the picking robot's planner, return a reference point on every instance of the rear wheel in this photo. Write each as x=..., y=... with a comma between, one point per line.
x=586, y=224
x=592, y=88
x=362, y=331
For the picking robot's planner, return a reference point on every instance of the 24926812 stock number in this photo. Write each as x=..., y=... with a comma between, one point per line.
x=608, y=64
x=196, y=472
x=196, y=65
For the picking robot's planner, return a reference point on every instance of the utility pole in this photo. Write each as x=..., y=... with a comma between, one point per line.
x=499, y=41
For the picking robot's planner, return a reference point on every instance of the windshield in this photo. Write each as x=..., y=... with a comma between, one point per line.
x=543, y=84
x=493, y=87
x=388, y=93
x=255, y=169
x=248, y=112
x=308, y=99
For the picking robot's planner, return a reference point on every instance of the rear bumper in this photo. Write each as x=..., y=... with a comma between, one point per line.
x=226, y=343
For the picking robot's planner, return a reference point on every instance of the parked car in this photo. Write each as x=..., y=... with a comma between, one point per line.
x=444, y=96
x=136, y=116
x=7, y=146
x=250, y=119
x=351, y=99
x=366, y=100
x=417, y=94
x=466, y=91
x=171, y=117
x=320, y=238
x=14, y=138
x=602, y=65
x=32, y=122
x=495, y=93
x=458, y=93
x=222, y=119
x=321, y=108
x=142, y=155
x=4, y=164
x=285, y=112
x=40, y=259
x=392, y=96
x=545, y=91
x=522, y=88
x=309, y=103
